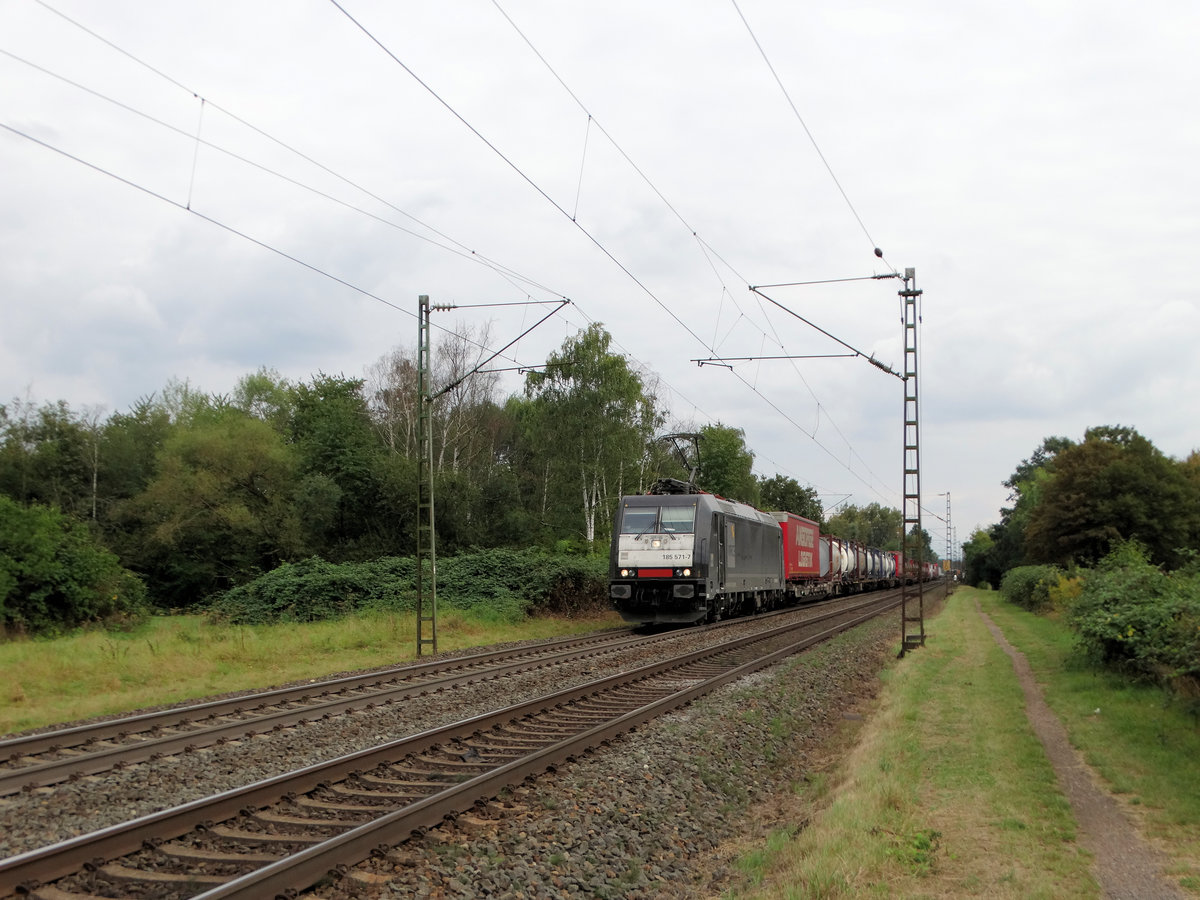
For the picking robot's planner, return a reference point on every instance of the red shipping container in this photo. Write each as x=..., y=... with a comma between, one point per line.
x=801, y=560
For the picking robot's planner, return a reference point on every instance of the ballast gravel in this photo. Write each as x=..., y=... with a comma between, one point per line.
x=647, y=816
x=640, y=818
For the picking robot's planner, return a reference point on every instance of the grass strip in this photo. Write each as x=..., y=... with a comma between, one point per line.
x=1142, y=740
x=947, y=792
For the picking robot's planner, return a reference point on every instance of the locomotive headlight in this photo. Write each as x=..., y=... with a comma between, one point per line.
x=624, y=573
x=687, y=572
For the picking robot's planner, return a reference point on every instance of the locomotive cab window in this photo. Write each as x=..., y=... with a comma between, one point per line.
x=678, y=519
x=658, y=520
x=639, y=519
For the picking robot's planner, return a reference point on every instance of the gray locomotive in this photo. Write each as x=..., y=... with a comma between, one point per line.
x=684, y=557
x=680, y=556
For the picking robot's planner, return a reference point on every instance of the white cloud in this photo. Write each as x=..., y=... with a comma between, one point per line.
x=1033, y=161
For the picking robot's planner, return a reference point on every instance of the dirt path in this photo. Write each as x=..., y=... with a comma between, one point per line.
x=1125, y=865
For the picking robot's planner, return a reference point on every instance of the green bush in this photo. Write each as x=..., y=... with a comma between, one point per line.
x=54, y=576
x=1135, y=618
x=496, y=585
x=1064, y=592
x=550, y=583
x=311, y=590
x=1029, y=586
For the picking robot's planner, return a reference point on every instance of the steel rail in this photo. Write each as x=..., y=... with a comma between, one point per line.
x=82, y=762
x=300, y=870
x=55, y=861
x=167, y=718
x=56, y=771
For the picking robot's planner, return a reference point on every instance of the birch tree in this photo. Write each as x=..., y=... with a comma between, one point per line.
x=592, y=419
x=460, y=417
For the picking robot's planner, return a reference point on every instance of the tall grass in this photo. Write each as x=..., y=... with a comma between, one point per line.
x=175, y=658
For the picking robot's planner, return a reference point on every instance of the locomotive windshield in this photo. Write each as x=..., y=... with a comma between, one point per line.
x=639, y=520
x=658, y=520
x=678, y=519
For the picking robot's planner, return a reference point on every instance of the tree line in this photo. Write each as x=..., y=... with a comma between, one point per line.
x=1074, y=502
x=195, y=493
x=1105, y=534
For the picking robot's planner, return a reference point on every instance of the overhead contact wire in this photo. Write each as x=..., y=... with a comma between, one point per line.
x=804, y=125
x=196, y=154
x=706, y=249
x=241, y=234
x=457, y=248
x=465, y=251
x=462, y=249
x=533, y=184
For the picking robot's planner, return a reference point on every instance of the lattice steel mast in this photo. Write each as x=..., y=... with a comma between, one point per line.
x=426, y=546
x=912, y=596
x=949, y=567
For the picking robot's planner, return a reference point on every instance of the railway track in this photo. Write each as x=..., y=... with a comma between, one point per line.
x=40, y=760
x=52, y=757
x=287, y=832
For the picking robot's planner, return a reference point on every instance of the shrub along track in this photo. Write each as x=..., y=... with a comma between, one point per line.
x=324, y=816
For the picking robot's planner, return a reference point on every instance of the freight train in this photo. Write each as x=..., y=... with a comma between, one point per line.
x=680, y=556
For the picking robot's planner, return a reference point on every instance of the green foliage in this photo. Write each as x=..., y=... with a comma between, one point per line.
x=978, y=559
x=220, y=508
x=1030, y=586
x=316, y=498
x=1114, y=486
x=1039, y=461
x=1125, y=555
x=185, y=404
x=1005, y=546
x=916, y=851
x=129, y=444
x=47, y=455
x=313, y=590
x=556, y=584
x=1073, y=502
x=1065, y=591
x=873, y=524
x=925, y=540
x=726, y=463
x=53, y=576
x=266, y=395
x=497, y=585
x=1134, y=618
x=787, y=494
x=584, y=430
x=331, y=431
x=198, y=493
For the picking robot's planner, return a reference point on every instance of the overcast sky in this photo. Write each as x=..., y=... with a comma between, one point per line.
x=1035, y=163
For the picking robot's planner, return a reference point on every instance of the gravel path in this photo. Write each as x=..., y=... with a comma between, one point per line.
x=1125, y=865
